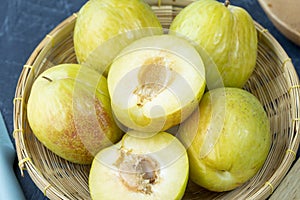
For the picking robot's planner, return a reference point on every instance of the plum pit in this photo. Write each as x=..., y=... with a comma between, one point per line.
x=154, y=77
x=138, y=172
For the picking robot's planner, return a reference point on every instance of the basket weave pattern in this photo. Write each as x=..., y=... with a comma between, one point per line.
x=274, y=82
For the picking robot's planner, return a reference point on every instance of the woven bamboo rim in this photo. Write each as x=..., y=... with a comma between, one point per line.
x=274, y=82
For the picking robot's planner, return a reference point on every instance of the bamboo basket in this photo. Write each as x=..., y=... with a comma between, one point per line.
x=274, y=82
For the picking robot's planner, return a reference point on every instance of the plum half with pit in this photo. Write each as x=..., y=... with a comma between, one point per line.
x=155, y=83
x=154, y=167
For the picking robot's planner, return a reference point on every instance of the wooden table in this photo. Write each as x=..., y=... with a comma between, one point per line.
x=289, y=188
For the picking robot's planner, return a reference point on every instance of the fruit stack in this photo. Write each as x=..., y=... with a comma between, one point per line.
x=150, y=108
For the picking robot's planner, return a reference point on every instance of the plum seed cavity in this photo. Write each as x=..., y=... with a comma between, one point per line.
x=154, y=76
x=138, y=172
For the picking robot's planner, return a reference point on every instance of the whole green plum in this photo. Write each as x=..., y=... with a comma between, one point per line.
x=225, y=36
x=104, y=27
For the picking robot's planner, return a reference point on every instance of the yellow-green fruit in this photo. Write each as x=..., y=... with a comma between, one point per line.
x=228, y=140
x=140, y=168
x=69, y=112
x=104, y=27
x=155, y=83
x=226, y=38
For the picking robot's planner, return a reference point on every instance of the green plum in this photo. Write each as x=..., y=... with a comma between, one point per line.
x=104, y=27
x=69, y=112
x=226, y=38
x=228, y=140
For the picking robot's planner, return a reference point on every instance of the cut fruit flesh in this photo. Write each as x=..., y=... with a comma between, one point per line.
x=155, y=85
x=139, y=172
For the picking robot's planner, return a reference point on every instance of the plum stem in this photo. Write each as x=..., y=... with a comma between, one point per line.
x=48, y=79
x=227, y=3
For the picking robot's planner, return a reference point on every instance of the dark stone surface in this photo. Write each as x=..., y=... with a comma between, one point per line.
x=24, y=23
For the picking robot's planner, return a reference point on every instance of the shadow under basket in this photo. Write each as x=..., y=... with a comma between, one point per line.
x=274, y=82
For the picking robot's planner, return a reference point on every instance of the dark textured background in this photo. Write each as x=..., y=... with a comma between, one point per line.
x=24, y=23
